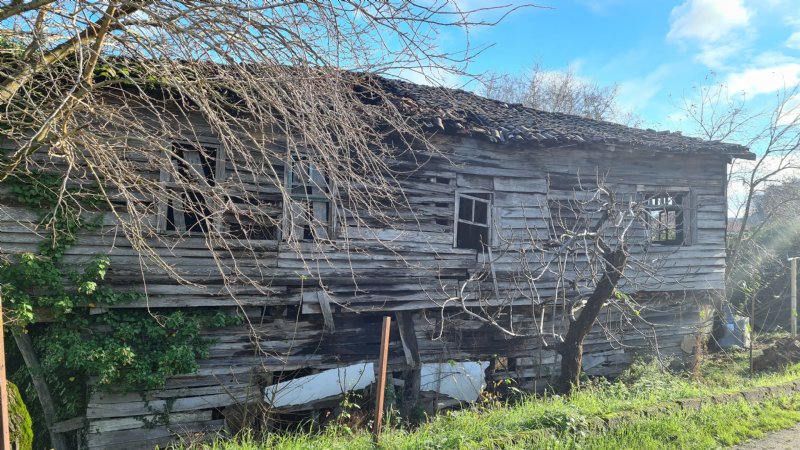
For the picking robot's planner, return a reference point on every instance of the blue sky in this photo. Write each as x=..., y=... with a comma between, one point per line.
x=655, y=50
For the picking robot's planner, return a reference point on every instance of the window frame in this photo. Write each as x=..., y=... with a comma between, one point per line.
x=469, y=194
x=314, y=200
x=684, y=209
x=164, y=205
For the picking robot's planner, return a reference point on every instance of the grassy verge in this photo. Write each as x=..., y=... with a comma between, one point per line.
x=712, y=426
x=571, y=422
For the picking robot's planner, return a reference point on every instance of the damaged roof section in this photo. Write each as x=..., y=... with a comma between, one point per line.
x=459, y=112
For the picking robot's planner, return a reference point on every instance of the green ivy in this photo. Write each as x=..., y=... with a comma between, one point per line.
x=124, y=350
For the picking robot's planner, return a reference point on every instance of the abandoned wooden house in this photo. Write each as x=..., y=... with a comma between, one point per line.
x=503, y=173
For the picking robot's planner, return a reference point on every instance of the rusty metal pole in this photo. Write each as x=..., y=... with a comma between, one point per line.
x=5, y=426
x=381, y=386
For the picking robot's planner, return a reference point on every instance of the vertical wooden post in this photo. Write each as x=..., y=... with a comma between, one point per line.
x=381, y=387
x=793, y=308
x=5, y=425
x=25, y=346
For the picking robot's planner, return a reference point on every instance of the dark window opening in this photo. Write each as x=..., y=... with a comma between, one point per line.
x=472, y=236
x=472, y=227
x=260, y=225
x=254, y=231
x=194, y=167
x=666, y=218
x=310, y=214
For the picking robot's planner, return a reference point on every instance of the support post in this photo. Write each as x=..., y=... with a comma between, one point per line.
x=381, y=385
x=5, y=425
x=25, y=346
x=793, y=307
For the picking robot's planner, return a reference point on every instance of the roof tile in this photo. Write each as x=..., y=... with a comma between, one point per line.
x=459, y=112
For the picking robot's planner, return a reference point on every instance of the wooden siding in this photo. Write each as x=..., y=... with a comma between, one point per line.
x=408, y=270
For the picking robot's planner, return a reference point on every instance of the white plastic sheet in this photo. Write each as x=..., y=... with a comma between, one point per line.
x=330, y=383
x=461, y=380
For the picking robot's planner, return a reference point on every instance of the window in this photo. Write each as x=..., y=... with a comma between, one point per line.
x=308, y=215
x=473, y=218
x=666, y=217
x=253, y=217
x=194, y=167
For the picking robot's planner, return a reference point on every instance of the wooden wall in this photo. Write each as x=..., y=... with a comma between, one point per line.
x=407, y=270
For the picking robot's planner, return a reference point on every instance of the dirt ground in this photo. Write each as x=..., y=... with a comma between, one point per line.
x=778, y=440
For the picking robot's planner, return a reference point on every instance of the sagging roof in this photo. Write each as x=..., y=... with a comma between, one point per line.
x=459, y=112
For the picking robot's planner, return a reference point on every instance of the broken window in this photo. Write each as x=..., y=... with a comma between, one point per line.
x=666, y=217
x=253, y=217
x=194, y=169
x=473, y=218
x=308, y=215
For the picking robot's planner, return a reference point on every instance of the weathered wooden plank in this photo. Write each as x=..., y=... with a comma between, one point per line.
x=148, y=437
x=526, y=184
x=103, y=410
x=139, y=422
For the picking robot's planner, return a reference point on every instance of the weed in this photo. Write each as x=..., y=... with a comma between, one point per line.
x=570, y=422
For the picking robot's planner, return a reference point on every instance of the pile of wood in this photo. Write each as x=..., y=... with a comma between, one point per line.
x=782, y=353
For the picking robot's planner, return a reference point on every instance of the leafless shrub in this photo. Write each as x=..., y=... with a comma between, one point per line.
x=558, y=91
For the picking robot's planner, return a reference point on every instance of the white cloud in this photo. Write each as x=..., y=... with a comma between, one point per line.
x=719, y=28
x=765, y=80
x=794, y=41
x=716, y=55
x=772, y=58
x=707, y=20
x=634, y=94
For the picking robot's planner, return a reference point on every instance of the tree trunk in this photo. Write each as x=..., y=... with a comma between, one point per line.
x=571, y=360
x=571, y=350
x=42, y=391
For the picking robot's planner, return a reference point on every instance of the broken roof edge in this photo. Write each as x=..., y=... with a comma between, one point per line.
x=459, y=112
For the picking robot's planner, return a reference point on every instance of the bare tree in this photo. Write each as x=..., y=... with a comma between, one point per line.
x=558, y=91
x=593, y=238
x=716, y=113
x=125, y=95
x=773, y=133
x=761, y=275
x=117, y=93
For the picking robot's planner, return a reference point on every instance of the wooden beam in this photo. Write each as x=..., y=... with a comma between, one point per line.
x=42, y=391
x=325, y=304
x=73, y=424
x=381, y=385
x=408, y=337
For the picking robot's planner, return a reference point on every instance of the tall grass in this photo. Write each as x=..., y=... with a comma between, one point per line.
x=554, y=421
